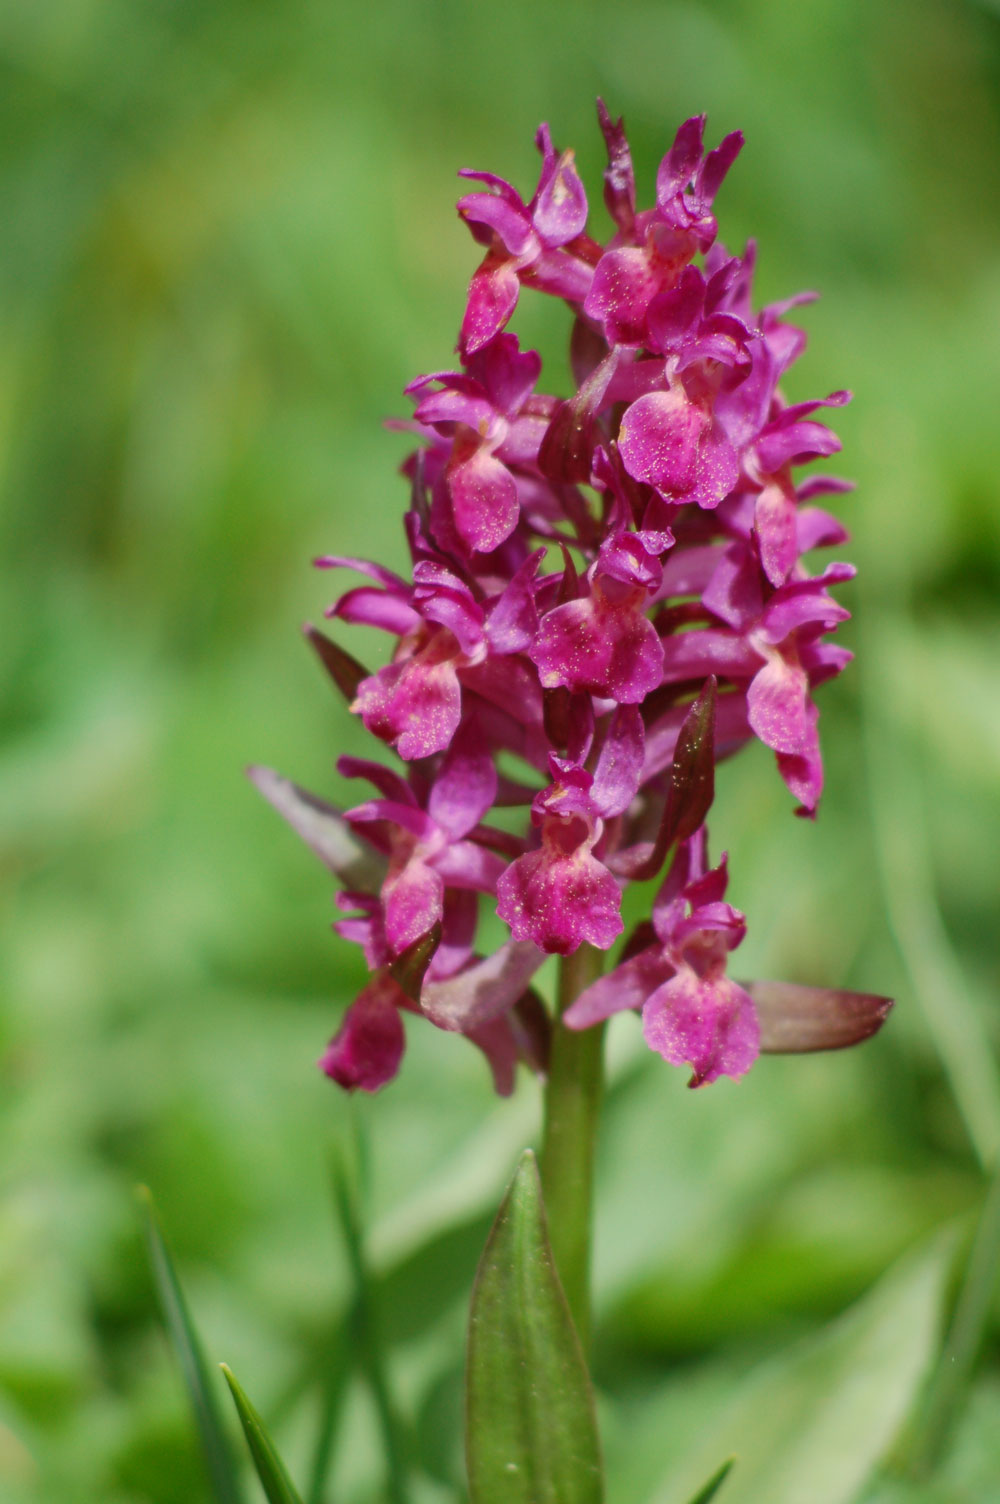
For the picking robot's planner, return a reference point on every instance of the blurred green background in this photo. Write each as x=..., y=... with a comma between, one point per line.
x=229, y=241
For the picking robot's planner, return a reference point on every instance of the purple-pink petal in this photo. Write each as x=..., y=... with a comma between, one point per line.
x=624, y=283
x=512, y=620
x=466, y=784
x=483, y=497
x=667, y=441
x=369, y=607
x=415, y=704
x=466, y=864
x=483, y=990
x=504, y=216
x=560, y=207
x=616, y=777
x=492, y=298
x=627, y=986
x=777, y=703
x=560, y=902
x=678, y=166
x=619, y=177
x=412, y=900
x=707, y=1023
x=366, y=1050
x=599, y=646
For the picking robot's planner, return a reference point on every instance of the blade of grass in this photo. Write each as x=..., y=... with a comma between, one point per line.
x=271, y=1471
x=337, y=1373
x=176, y=1316
x=718, y=1478
x=369, y=1344
x=906, y=872
x=964, y=1340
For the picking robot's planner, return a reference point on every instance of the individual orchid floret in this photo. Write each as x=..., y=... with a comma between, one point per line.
x=788, y=439
x=603, y=642
x=366, y=1050
x=483, y=412
x=780, y=641
x=671, y=438
x=425, y=848
x=561, y=895
x=692, y=1013
x=415, y=702
x=526, y=242
x=662, y=241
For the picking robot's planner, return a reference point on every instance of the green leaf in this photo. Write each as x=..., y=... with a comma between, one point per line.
x=531, y=1433
x=215, y=1444
x=714, y=1483
x=813, y=1423
x=270, y=1469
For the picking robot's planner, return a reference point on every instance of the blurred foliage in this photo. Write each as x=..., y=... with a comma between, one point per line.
x=229, y=242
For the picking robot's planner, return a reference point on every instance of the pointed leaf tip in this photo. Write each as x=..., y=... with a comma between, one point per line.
x=531, y=1435
x=410, y=966
x=187, y=1347
x=711, y=1488
x=270, y=1469
x=345, y=670
x=796, y=1020
x=324, y=830
x=692, y=779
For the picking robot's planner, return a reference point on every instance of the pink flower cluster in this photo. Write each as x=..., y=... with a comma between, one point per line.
x=607, y=596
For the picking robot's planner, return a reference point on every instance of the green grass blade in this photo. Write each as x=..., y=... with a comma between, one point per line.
x=964, y=1339
x=215, y=1444
x=899, y=827
x=270, y=1469
x=336, y=1377
x=531, y=1433
x=714, y=1483
x=365, y=1319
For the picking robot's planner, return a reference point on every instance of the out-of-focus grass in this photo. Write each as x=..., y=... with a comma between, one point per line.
x=229, y=242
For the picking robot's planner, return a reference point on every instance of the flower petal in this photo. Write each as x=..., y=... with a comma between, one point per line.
x=482, y=991
x=366, y=1050
x=627, y=986
x=415, y=705
x=560, y=903
x=466, y=785
x=483, y=497
x=709, y=1024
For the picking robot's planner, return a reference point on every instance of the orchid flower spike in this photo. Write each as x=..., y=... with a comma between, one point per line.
x=608, y=592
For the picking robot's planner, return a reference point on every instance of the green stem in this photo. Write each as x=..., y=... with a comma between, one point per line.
x=572, y=1102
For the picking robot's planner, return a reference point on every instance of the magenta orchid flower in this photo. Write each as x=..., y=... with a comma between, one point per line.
x=527, y=242
x=607, y=594
x=692, y=1013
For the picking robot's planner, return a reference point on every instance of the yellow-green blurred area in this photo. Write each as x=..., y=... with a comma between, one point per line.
x=229, y=241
